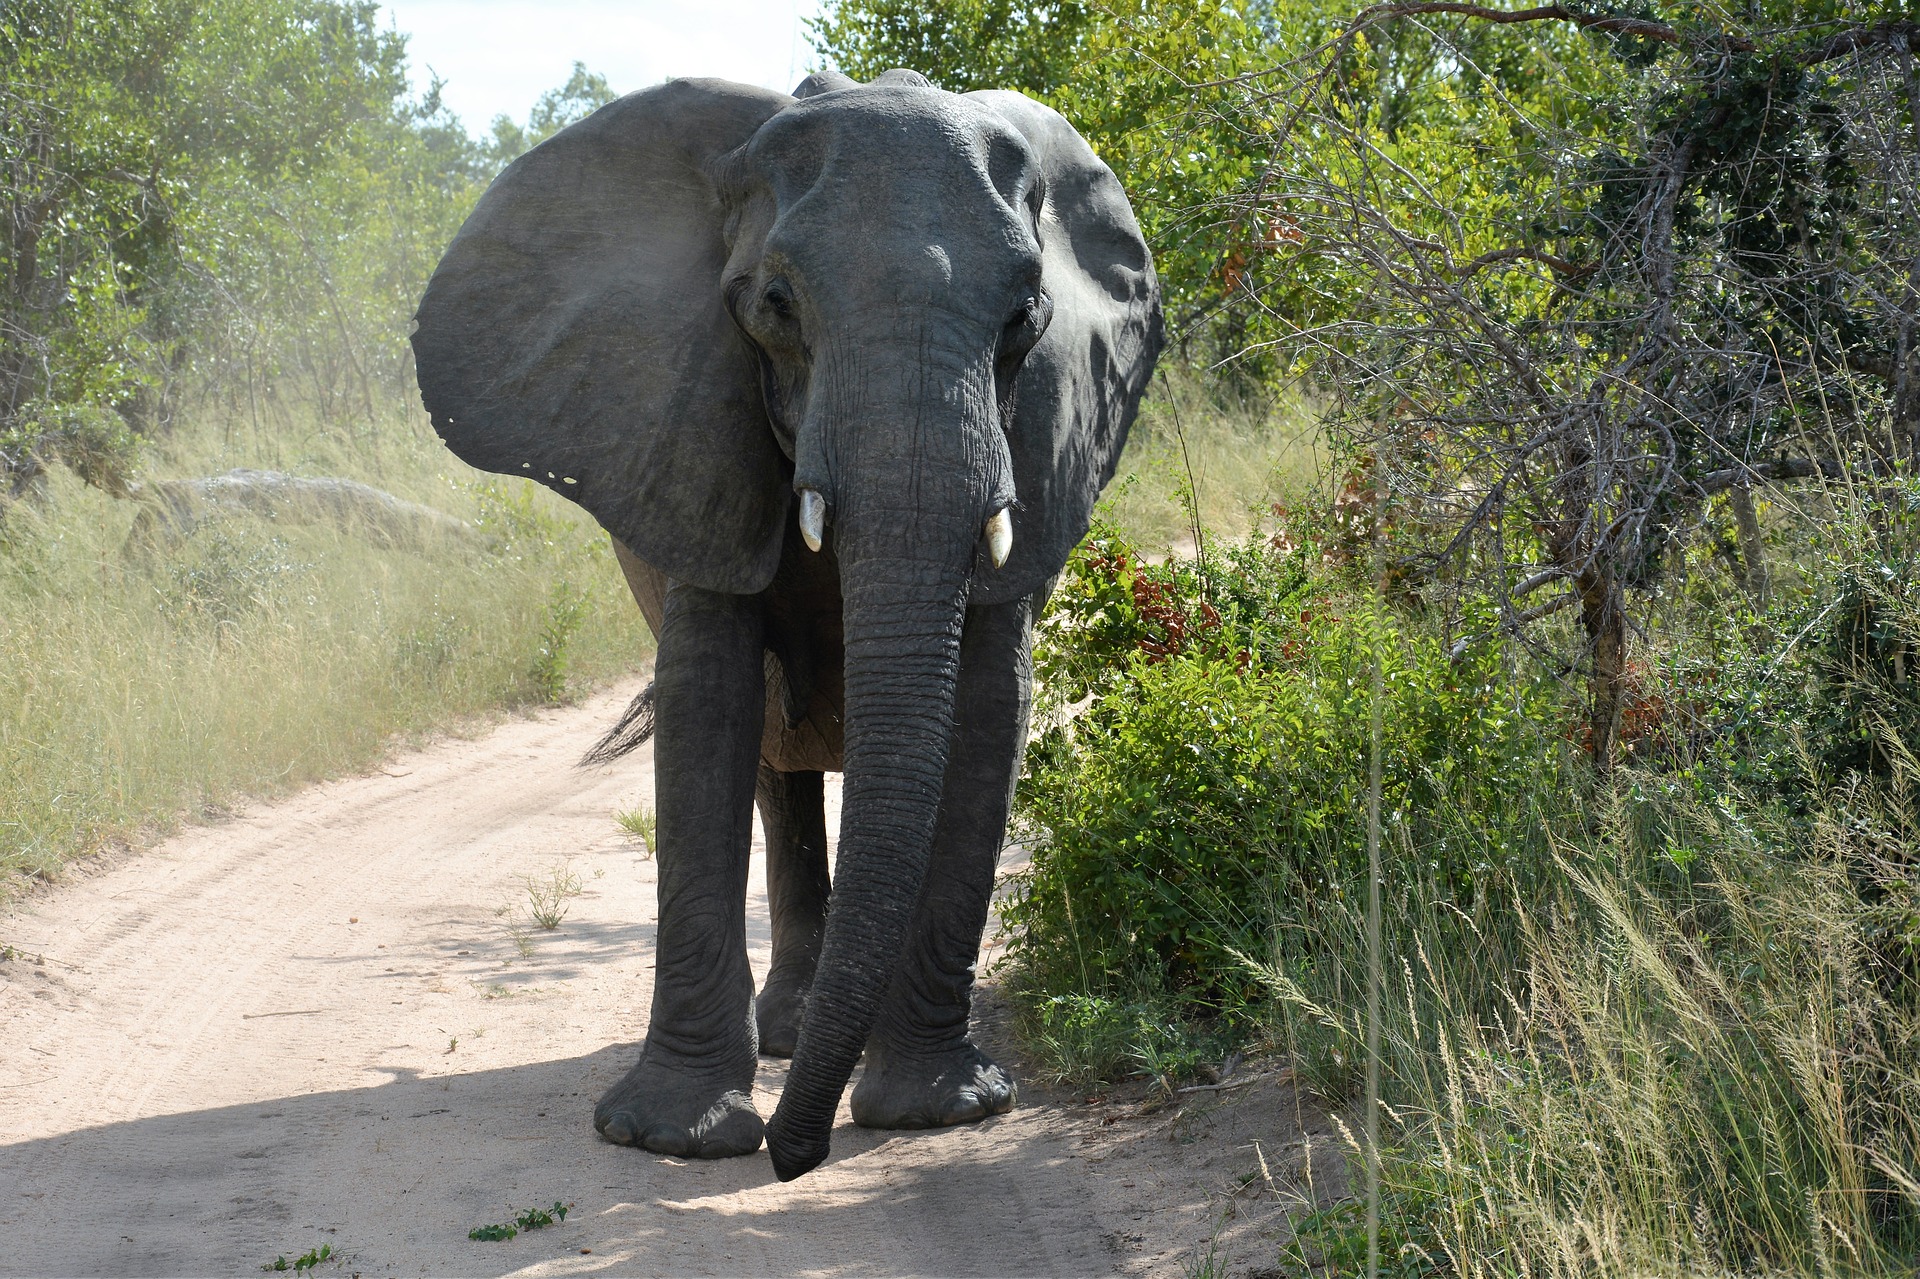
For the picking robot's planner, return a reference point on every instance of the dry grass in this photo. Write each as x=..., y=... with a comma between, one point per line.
x=1721, y=1080
x=250, y=658
x=1236, y=451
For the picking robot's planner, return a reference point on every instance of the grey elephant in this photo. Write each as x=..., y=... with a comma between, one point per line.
x=842, y=374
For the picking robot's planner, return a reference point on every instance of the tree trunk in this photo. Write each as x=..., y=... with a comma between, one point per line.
x=1753, y=551
x=1603, y=614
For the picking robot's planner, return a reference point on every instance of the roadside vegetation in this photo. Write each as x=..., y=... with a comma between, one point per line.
x=217, y=219
x=1600, y=320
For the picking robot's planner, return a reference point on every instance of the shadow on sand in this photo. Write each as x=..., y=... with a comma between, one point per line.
x=393, y=1176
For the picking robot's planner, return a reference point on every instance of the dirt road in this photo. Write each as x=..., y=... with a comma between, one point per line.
x=330, y=1021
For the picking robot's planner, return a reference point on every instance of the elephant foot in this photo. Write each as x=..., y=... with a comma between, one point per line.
x=959, y=1086
x=690, y=1114
x=778, y=1010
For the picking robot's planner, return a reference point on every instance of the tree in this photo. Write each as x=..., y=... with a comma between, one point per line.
x=584, y=93
x=1559, y=321
x=177, y=180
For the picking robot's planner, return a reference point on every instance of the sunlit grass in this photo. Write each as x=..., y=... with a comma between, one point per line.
x=1619, y=1083
x=1237, y=451
x=248, y=658
x=641, y=822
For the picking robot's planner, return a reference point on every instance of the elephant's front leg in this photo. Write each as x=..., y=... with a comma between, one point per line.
x=922, y=1070
x=691, y=1091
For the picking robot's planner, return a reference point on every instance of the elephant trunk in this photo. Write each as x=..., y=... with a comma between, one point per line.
x=903, y=623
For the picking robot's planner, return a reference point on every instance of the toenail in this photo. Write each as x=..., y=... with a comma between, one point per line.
x=667, y=1139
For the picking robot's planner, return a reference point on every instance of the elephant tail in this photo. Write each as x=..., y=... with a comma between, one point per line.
x=634, y=728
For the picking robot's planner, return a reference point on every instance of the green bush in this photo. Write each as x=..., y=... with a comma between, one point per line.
x=1662, y=1022
x=1210, y=801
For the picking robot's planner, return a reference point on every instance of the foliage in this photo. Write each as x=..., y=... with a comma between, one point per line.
x=584, y=93
x=199, y=189
x=1558, y=316
x=566, y=608
x=1207, y=802
x=308, y=1260
x=531, y=1219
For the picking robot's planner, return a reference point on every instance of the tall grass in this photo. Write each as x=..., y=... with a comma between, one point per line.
x=141, y=687
x=1663, y=1022
x=1208, y=447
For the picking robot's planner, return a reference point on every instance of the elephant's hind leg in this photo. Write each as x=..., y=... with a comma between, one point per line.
x=690, y=1094
x=793, y=814
x=922, y=1069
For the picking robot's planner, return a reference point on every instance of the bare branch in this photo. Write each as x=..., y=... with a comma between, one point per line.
x=1891, y=35
x=1793, y=468
x=1572, y=270
x=1528, y=586
x=1613, y=24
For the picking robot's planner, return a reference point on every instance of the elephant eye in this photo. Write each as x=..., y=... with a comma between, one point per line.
x=779, y=299
x=1027, y=323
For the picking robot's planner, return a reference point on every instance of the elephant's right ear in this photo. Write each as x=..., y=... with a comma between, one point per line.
x=574, y=333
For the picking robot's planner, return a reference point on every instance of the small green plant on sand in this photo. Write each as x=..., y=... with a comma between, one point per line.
x=531, y=1219
x=303, y=1263
x=1211, y=1264
x=547, y=898
x=639, y=822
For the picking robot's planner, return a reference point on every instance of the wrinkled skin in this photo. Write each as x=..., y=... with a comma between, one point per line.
x=687, y=311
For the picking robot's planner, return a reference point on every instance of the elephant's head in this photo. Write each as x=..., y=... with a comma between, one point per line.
x=912, y=322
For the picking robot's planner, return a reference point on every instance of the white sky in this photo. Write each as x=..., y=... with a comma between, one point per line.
x=498, y=56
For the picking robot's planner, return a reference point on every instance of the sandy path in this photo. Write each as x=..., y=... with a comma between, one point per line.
x=215, y=1065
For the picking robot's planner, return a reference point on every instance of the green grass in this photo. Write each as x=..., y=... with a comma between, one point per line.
x=547, y=896
x=1708, y=1073
x=640, y=821
x=137, y=691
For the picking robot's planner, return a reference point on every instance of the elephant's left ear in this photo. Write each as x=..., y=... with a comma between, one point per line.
x=1081, y=385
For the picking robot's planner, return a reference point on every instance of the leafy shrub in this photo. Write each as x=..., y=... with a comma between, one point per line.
x=1209, y=801
x=227, y=570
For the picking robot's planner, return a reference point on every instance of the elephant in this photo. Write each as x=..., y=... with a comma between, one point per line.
x=841, y=373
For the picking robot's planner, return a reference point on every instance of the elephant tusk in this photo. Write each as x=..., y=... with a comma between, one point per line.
x=813, y=518
x=1000, y=536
